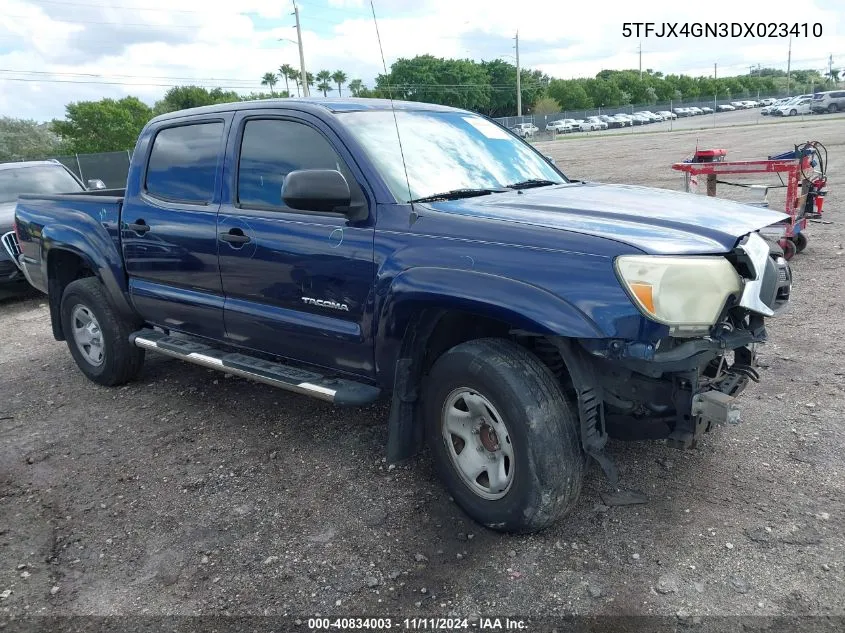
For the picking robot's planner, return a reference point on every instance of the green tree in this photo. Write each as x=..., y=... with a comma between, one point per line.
x=296, y=76
x=184, y=97
x=269, y=80
x=339, y=77
x=102, y=126
x=546, y=105
x=570, y=94
x=286, y=71
x=456, y=82
x=356, y=86
x=21, y=139
x=323, y=79
x=310, y=80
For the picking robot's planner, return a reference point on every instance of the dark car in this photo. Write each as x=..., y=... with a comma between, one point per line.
x=515, y=317
x=38, y=177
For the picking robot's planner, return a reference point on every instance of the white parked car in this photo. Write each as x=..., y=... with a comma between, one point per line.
x=682, y=112
x=598, y=123
x=739, y=105
x=725, y=108
x=695, y=111
x=768, y=101
x=558, y=127
x=525, y=130
x=667, y=115
x=800, y=105
x=706, y=110
x=769, y=109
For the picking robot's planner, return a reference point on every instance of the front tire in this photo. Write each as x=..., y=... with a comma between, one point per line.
x=504, y=438
x=793, y=113
x=97, y=336
x=832, y=108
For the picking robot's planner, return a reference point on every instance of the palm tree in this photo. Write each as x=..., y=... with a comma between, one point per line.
x=356, y=86
x=310, y=80
x=323, y=77
x=339, y=77
x=286, y=71
x=296, y=76
x=269, y=80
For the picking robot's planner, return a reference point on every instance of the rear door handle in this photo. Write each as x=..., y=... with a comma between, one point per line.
x=139, y=226
x=235, y=236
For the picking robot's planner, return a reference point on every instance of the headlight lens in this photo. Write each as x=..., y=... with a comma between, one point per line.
x=686, y=293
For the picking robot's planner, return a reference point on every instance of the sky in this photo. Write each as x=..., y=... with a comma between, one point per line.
x=53, y=52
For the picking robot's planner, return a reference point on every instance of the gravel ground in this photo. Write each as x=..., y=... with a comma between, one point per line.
x=188, y=492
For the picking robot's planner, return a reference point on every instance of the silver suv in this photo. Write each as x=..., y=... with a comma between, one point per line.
x=832, y=101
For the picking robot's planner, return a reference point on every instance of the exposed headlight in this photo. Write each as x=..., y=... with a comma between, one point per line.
x=685, y=293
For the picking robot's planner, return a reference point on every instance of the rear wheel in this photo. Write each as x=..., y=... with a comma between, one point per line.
x=800, y=242
x=832, y=108
x=793, y=112
x=98, y=338
x=504, y=439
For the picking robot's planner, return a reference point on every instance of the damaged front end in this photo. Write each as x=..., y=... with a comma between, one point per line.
x=682, y=385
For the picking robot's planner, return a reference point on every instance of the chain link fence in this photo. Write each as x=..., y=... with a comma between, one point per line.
x=110, y=167
x=541, y=120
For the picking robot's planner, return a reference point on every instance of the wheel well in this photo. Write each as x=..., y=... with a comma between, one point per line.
x=428, y=337
x=63, y=267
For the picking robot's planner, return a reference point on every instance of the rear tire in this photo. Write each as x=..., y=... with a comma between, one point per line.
x=504, y=438
x=793, y=113
x=789, y=249
x=832, y=108
x=97, y=336
x=800, y=242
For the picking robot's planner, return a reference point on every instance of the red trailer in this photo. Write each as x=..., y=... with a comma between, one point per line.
x=804, y=170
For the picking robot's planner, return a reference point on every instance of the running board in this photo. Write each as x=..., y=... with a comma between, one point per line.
x=336, y=390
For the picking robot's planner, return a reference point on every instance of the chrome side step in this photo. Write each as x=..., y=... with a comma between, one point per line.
x=336, y=390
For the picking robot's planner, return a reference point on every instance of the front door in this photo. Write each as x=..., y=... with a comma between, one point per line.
x=169, y=228
x=297, y=284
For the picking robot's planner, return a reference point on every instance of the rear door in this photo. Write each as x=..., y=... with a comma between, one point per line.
x=169, y=226
x=297, y=284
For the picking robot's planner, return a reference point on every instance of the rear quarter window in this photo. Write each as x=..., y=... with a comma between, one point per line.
x=183, y=162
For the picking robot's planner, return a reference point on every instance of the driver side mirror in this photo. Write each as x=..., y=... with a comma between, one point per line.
x=324, y=190
x=96, y=183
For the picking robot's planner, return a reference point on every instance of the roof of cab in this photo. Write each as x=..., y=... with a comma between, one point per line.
x=28, y=163
x=309, y=105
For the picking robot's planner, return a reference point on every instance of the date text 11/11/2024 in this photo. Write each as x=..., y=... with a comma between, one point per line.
x=763, y=30
x=418, y=624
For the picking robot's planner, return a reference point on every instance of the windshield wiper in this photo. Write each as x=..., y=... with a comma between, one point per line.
x=457, y=194
x=533, y=182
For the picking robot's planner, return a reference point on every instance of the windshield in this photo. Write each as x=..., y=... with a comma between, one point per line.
x=44, y=179
x=445, y=151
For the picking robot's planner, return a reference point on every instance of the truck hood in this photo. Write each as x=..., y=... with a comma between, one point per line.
x=655, y=221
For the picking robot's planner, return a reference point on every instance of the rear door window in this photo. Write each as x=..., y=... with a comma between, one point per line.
x=184, y=161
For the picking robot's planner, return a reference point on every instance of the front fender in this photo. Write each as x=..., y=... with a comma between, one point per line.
x=519, y=304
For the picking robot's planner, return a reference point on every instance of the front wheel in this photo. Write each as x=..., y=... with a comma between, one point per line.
x=504, y=438
x=832, y=108
x=800, y=242
x=793, y=113
x=97, y=336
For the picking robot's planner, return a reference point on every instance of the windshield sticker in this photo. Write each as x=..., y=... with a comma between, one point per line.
x=488, y=129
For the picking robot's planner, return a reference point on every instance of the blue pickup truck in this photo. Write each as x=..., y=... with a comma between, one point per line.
x=356, y=249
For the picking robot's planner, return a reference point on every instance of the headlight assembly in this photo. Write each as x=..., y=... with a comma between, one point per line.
x=685, y=293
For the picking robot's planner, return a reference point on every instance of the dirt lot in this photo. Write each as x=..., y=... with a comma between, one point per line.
x=191, y=493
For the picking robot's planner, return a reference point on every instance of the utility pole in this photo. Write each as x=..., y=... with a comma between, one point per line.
x=305, y=91
x=641, y=60
x=714, y=70
x=789, y=67
x=518, y=80
x=830, y=68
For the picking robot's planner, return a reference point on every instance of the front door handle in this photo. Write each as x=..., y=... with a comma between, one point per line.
x=235, y=236
x=139, y=226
